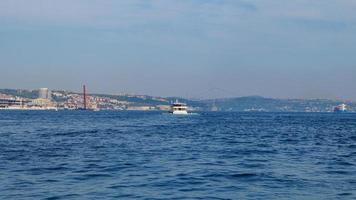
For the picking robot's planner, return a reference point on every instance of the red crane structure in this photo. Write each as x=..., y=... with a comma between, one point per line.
x=84, y=97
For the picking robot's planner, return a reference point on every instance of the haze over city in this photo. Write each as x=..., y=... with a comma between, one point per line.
x=189, y=48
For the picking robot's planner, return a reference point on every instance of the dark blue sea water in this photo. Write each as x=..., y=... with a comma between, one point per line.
x=150, y=155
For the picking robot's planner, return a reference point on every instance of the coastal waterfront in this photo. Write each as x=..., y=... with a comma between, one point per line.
x=151, y=155
x=67, y=100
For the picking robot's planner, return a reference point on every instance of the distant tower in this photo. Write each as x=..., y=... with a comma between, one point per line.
x=84, y=97
x=44, y=93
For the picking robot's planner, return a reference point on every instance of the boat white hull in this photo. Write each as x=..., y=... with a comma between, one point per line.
x=180, y=112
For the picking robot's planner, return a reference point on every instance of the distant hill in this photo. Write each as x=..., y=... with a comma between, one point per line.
x=257, y=103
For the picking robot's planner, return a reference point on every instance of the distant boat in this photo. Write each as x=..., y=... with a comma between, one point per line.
x=340, y=108
x=179, y=108
x=214, y=108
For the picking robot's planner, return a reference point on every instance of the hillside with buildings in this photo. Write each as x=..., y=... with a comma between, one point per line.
x=45, y=99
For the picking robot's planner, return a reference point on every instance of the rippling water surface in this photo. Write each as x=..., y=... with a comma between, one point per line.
x=150, y=155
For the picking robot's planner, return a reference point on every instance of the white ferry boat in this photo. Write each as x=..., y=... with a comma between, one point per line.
x=179, y=108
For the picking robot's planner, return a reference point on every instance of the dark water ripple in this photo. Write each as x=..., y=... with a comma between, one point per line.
x=150, y=155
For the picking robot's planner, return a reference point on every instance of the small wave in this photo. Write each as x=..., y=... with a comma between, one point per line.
x=76, y=133
x=344, y=163
x=42, y=170
x=51, y=181
x=244, y=175
x=92, y=176
x=253, y=165
x=192, y=189
x=345, y=194
x=339, y=172
x=232, y=176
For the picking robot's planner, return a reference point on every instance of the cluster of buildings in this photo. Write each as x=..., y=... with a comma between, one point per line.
x=46, y=99
x=74, y=101
x=43, y=102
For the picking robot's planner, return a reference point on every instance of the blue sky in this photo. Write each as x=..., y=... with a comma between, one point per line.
x=190, y=48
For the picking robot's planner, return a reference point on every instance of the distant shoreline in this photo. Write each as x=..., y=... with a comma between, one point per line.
x=71, y=100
